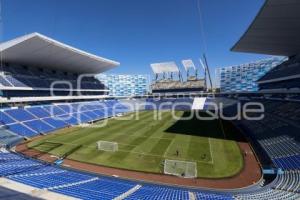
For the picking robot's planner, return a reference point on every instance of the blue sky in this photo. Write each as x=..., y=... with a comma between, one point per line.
x=137, y=32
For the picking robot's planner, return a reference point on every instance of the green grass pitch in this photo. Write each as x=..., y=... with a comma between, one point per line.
x=145, y=143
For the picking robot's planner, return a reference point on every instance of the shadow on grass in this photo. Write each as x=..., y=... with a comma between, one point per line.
x=205, y=128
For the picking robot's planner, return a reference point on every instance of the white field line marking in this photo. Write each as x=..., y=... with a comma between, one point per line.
x=211, y=153
x=164, y=156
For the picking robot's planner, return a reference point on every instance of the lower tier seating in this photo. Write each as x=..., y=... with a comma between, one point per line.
x=9, y=139
x=87, y=186
x=42, y=119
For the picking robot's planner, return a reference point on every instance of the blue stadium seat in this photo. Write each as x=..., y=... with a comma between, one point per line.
x=156, y=192
x=5, y=119
x=69, y=119
x=98, y=189
x=21, y=130
x=67, y=108
x=38, y=111
x=203, y=195
x=53, y=121
x=4, y=82
x=20, y=114
x=9, y=139
x=99, y=113
x=82, y=118
x=54, y=110
x=91, y=115
x=288, y=163
x=39, y=126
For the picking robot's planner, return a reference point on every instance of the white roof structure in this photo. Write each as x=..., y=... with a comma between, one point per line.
x=274, y=31
x=199, y=103
x=38, y=50
x=188, y=64
x=165, y=67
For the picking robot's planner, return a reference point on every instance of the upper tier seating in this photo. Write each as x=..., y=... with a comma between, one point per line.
x=47, y=93
x=283, y=85
x=177, y=86
x=289, y=70
x=22, y=76
x=169, y=103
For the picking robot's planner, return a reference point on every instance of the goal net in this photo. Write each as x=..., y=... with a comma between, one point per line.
x=107, y=146
x=181, y=168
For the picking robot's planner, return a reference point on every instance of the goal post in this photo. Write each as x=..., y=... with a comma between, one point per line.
x=181, y=168
x=107, y=146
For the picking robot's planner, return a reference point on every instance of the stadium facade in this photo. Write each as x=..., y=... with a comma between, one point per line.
x=243, y=77
x=124, y=84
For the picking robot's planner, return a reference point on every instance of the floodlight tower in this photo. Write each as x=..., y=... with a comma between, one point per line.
x=209, y=77
x=204, y=69
x=180, y=77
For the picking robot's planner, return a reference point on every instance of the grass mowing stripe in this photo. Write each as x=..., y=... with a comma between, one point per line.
x=148, y=143
x=145, y=143
x=166, y=121
x=119, y=137
x=194, y=153
x=97, y=133
x=113, y=125
x=109, y=134
x=160, y=147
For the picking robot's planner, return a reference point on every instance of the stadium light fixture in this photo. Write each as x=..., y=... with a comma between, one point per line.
x=188, y=64
x=164, y=67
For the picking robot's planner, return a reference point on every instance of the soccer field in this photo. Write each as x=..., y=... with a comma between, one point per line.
x=144, y=144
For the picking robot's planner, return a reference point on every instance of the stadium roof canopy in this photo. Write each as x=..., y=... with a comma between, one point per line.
x=38, y=50
x=275, y=30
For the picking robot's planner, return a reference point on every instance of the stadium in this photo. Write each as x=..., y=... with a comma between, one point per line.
x=64, y=136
